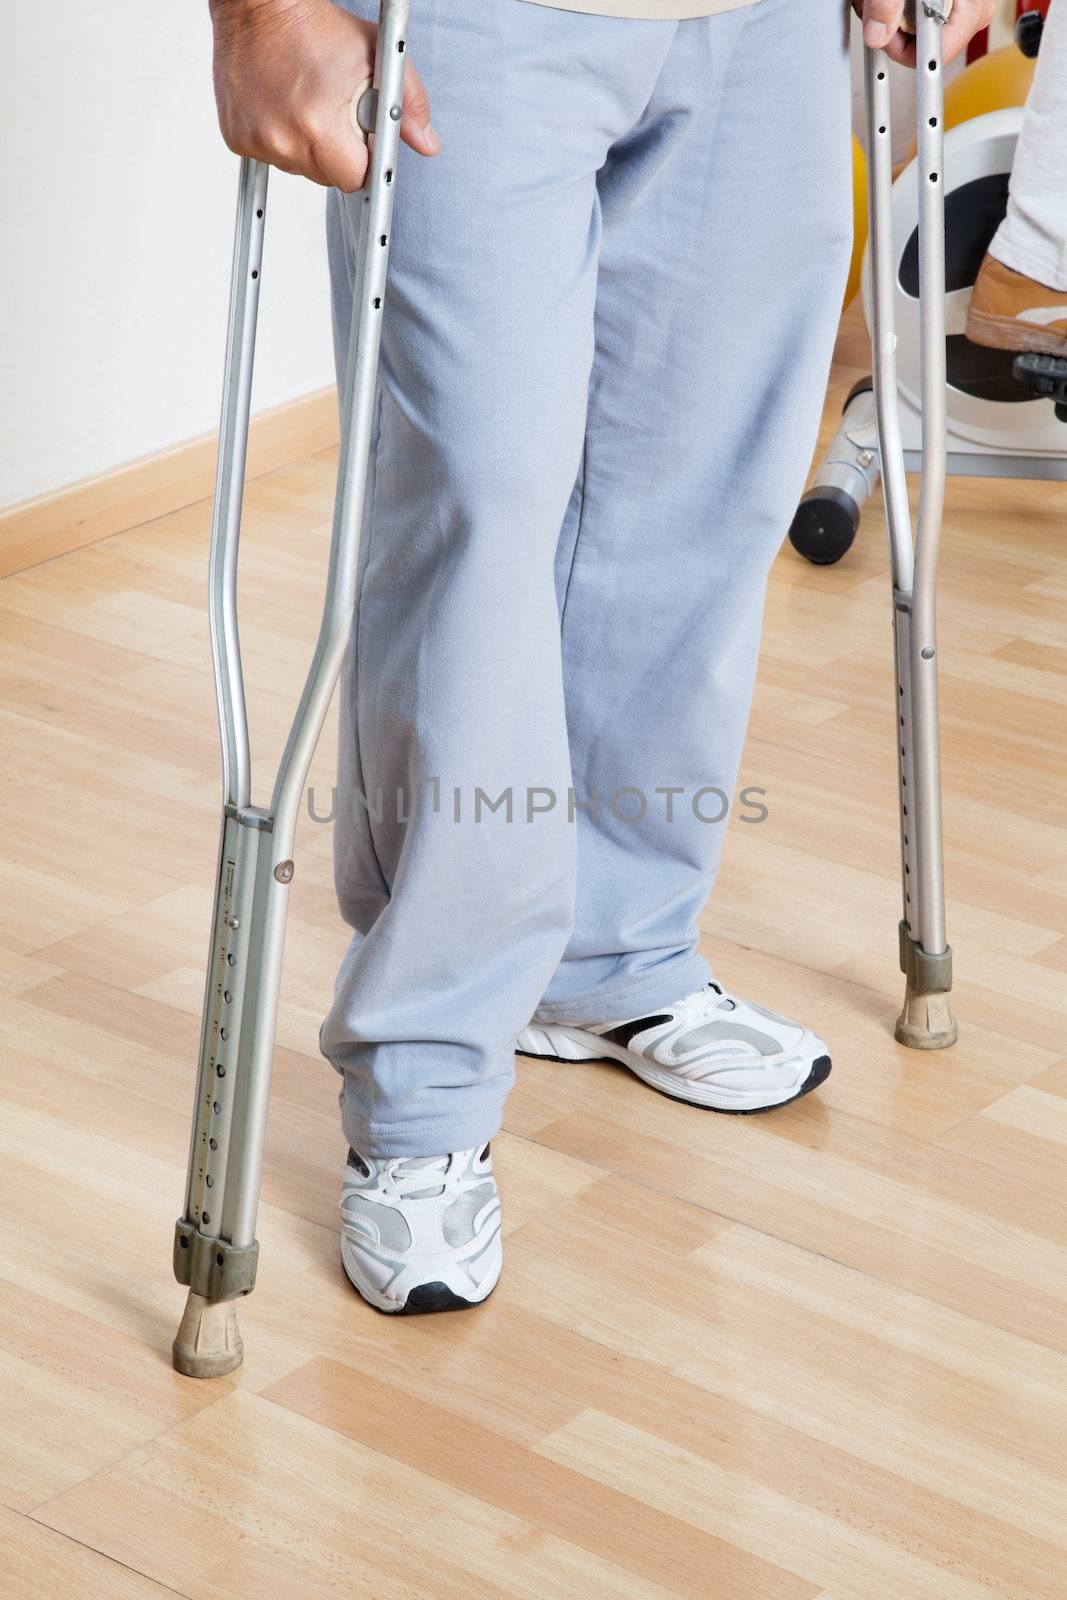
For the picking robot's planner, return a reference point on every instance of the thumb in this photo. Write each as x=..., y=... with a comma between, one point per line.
x=881, y=21
x=416, y=128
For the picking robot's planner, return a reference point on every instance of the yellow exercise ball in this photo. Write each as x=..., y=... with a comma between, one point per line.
x=1001, y=78
x=859, y=218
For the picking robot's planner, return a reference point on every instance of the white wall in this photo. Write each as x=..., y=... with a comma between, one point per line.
x=116, y=221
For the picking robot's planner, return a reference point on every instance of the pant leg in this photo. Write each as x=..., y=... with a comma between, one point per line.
x=453, y=682
x=726, y=218
x=1032, y=239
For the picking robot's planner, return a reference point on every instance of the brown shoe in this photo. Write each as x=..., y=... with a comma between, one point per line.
x=1012, y=312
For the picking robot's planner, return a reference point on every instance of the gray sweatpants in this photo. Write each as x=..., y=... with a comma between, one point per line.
x=611, y=309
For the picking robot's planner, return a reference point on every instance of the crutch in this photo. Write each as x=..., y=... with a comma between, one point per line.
x=215, y=1247
x=926, y=1021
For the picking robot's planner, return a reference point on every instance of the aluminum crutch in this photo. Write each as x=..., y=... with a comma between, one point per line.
x=926, y=1021
x=215, y=1246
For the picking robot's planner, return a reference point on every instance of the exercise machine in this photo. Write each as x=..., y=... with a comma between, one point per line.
x=215, y=1247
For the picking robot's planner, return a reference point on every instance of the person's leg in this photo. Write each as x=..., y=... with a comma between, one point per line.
x=1032, y=239
x=453, y=682
x=727, y=228
x=1019, y=300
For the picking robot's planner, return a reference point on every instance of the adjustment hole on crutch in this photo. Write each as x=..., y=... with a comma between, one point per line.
x=220, y=1071
x=213, y=1144
x=904, y=810
x=882, y=128
x=205, y=1218
x=209, y=1180
x=227, y=996
x=255, y=272
x=933, y=122
x=389, y=175
x=216, y=1108
x=224, y=1033
x=259, y=212
x=400, y=47
x=384, y=239
x=932, y=65
x=933, y=177
x=881, y=77
x=220, y=1259
x=183, y=1241
x=231, y=959
x=377, y=302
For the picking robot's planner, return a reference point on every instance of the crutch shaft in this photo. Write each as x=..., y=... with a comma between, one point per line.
x=926, y=1021
x=923, y=643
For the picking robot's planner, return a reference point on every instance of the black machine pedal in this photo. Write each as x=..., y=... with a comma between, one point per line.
x=1046, y=376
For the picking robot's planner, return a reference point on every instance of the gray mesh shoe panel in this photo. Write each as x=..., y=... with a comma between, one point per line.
x=457, y=1224
x=385, y=1224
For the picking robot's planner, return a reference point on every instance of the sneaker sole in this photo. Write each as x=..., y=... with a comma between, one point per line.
x=1008, y=333
x=706, y=1097
x=424, y=1298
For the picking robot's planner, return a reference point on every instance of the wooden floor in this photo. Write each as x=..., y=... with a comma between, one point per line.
x=817, y=1354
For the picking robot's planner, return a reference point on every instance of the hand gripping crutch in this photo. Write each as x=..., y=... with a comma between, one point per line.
x=215, y=1247
x=926, y=1021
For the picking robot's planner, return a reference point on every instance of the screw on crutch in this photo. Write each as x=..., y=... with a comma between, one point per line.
x=926, y=1021
x=215, y=1247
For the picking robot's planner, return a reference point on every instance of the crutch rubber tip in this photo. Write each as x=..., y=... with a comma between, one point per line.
x=208, y=1342
x=926, y=1022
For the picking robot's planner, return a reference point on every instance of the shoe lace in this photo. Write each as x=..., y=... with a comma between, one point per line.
x=726, y=1003
x=410, y=1175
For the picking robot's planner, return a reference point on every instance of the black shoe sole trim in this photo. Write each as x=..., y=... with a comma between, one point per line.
x=425, y=1298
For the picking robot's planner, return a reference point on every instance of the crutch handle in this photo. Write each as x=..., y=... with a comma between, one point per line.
x=363, y=109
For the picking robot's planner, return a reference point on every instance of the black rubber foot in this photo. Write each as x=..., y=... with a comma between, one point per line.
x=1046, y=377
x=824, y=526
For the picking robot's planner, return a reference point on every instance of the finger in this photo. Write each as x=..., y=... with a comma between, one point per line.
x=416, y=128
x=341, y=159
x=291, y=155
x=955, y=35
x=881, y=22
x=901, y=48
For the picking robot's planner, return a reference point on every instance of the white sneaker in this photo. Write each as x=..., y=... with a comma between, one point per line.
x=710, y=1049
x=421, y=1233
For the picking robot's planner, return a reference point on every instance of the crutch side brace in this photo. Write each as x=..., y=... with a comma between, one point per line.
x=215, y=1248
x=926, y=1021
